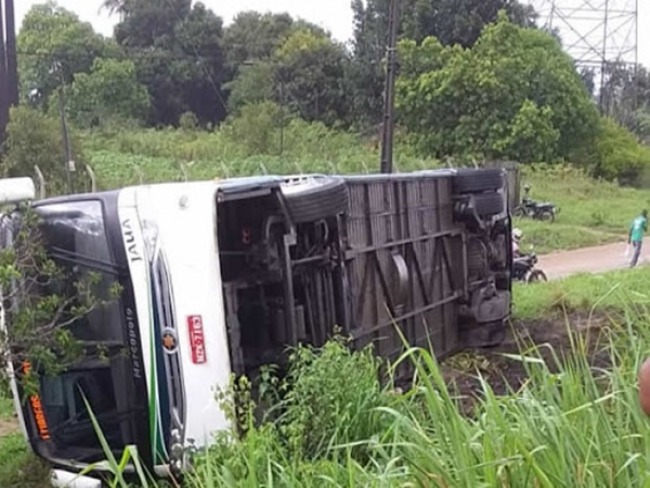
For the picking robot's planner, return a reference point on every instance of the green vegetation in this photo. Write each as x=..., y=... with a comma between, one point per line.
x=475, y=84
x=592, y=212
x=615, y=291
x=18, y=466
x=321, y=432
x=556, y=430
x=174, y=95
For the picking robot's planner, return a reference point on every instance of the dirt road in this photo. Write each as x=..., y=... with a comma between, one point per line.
x=590, y=260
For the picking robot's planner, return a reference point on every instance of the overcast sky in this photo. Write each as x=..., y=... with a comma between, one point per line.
x=333, y=15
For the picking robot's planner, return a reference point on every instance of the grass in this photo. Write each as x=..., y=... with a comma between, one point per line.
x=19, y=468
x=570, y=424
x=583, y=293
x=592, y=212
x=585, y=202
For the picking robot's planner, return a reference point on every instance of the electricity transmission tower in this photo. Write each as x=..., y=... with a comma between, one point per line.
x=597, y=34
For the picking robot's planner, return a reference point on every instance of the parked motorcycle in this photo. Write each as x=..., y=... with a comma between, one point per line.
x=523, y=269
x=544, y=211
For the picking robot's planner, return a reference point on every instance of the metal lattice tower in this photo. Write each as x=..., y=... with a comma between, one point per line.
x=596, y=33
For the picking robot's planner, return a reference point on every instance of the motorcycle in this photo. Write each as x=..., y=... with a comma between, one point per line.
x=544, y=211
x=523, y=269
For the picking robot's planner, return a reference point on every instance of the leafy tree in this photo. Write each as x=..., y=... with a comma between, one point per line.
x=54, y=45
x=450, y=21
x=178, y=56
x=306, y=75
x=110, y=91
x=626, y=90
x=248, y=45
x=254, y=36
x=641, y=125
x=255, y=83
x=458, y=21
x=310, y=73
x=514, y=94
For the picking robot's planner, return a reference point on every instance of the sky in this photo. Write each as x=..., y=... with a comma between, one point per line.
x=333, y=15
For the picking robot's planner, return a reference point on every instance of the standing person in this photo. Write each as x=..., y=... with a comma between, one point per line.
x=637, y=230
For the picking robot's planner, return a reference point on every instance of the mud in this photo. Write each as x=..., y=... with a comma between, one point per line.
x=550, y=337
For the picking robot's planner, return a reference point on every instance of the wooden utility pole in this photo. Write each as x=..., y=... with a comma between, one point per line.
x=389, y=98
x=12, y=61
x=4, y=101
x=8, y=65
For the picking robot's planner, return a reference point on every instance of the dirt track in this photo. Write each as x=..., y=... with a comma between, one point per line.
x=590, y=260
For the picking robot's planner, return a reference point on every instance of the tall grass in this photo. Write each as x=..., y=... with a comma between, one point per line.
x=129, y=157
x=571, y=424
x=574, y=422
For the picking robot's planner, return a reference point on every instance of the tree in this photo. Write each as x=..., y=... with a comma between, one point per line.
x=515, y=94
x=458, y=21
x=53, y=46
x=305, y=75
x=178, y=56
x=626, y=90
x=254, y=36
x=110, y=91
x=248, y=45
x=450, y=21
x=310, y=73
x=254, y=84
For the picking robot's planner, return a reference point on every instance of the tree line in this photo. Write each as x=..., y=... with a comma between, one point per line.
x=477, y=78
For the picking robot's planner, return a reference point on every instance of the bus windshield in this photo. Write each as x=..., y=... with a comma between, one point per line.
x=75, y=236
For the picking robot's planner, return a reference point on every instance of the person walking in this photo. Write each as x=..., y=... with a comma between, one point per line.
x=637, y=230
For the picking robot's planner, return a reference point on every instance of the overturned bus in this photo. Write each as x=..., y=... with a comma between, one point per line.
x=219, y=277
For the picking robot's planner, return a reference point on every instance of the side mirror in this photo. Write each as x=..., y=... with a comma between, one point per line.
x=16, y=190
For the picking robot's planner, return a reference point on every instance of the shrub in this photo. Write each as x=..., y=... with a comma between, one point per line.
x=619, y=155
x=35, y=139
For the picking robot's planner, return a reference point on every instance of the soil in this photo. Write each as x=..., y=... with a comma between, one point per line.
x=505, y=375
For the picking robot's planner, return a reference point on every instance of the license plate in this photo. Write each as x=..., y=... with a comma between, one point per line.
x=197, y=339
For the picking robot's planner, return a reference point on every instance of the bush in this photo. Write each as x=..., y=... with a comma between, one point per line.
x=619, y=155
x=257, y=128
x=188, y=121
x=35, y=139
x=333, y=396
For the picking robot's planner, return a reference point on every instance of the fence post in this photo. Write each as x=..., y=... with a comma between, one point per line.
x=41, y=182
x=93, y=180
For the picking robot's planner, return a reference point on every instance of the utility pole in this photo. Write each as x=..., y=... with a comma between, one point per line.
x=389, y=98
x=12, y=61
x=69, y=162
x=4, y=99
x=8, y=65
